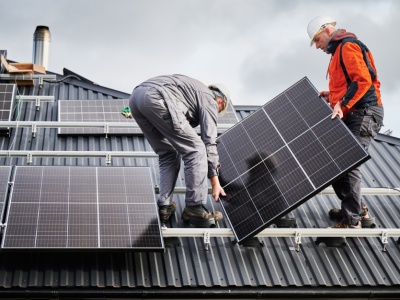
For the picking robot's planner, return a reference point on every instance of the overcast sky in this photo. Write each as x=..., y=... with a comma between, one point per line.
x=257, y=48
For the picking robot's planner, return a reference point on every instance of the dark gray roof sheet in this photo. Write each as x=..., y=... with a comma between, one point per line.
x=185, y=267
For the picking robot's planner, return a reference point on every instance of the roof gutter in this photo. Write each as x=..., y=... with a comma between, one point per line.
x=208, y=293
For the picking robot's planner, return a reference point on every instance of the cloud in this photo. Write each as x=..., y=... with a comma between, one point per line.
x=257, y=48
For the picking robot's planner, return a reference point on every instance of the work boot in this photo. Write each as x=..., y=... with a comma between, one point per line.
x=199, y=216
x=336, y=214
x=342, y=225
x=165, y=211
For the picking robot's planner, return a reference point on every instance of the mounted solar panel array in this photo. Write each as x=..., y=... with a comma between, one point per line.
x=282, y=155
x=230, y=116
x=5, y=172
x=82, y=208
x=7, y=96
x=108, y=111
x=93, y=111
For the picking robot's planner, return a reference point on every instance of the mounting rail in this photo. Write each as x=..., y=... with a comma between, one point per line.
x=297, y=233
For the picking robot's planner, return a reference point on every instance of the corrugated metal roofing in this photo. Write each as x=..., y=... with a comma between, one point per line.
x=186, y=269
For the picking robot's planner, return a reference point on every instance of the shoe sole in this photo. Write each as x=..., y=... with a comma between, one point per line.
x=199, y=222
x=202, y=223
x=186, y=218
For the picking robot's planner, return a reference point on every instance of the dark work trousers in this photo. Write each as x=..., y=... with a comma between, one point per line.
x=151, y=114
x=364, y=124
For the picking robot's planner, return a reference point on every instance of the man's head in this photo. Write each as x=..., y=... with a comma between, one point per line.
x=222, y=97
x=320, y=30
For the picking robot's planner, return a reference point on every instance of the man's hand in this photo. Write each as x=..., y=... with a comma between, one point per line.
x=217, y=190
x=337, y=111
x=326, y=95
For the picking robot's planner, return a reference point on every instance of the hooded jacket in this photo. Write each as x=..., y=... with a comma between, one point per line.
x=361, y=88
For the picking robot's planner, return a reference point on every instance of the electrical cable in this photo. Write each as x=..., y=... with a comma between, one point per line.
x=62, y=79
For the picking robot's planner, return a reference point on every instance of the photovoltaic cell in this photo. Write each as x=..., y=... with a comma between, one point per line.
x=230, y=115
x=7, y=95
x=5, y=172
x=94, y=111
x=82, y=208
x=282, y=155
x=108, y=111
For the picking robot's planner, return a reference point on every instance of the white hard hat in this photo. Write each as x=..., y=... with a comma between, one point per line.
x=317, y=24
x=221, y=90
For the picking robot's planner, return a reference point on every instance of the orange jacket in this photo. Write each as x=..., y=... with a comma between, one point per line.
x=361, y=90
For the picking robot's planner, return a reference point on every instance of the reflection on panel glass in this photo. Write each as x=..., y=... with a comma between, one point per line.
x=82, y=208
x=282, y=155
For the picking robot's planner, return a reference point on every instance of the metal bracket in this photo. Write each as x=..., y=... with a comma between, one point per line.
x=108, y=158
x=29, y=158
x=37, y=103
x=40, y=82
x=297, y=240
x=34, y=130
x=106, y=129
x=384, y=239
x=207, y=236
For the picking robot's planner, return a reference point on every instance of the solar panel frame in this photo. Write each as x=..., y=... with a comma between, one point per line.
x=5, y=173
x=282, y=155
x=7, y=96
x=104, y=111
x=82, y=208
x=230, y=116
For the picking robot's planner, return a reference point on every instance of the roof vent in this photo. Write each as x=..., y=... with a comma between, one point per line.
x=41, y=46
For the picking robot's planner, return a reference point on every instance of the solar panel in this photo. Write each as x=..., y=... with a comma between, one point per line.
x=282, y=155
x=108, y=111
x=82, y=208
x=94, y=111
x=230, y=116
x=5, y=172
x=7, y=95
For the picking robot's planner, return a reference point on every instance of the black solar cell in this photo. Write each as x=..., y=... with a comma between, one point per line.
x=82, y=208
x=7, y=96
x=282, y=155
x=5, y=172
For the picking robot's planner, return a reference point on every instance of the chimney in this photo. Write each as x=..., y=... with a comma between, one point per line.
x=41, y=46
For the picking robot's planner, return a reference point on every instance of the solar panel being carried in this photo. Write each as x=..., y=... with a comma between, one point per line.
x=5, y=172
x=82, y=208
x=282, y=155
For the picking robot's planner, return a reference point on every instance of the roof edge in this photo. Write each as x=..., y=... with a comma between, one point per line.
x=290, y=292
x=388, y=139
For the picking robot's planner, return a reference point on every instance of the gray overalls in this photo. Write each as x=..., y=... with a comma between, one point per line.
x=166, y=108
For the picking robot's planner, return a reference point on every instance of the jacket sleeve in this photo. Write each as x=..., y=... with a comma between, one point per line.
x=208, y=125
x=360, y=78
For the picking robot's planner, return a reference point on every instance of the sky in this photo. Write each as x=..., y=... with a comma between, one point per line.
x=257, y=48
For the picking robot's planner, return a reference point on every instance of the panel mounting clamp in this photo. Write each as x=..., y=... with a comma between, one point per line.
x=29, y=158
x=40, y=82
x=108, y=158
x=34, y=130
x=37, y=103
x=207, y=236
x=106, y=129
x=297, y=240
x=384, y=239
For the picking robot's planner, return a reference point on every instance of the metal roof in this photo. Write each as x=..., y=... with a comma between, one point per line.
x=271, y=268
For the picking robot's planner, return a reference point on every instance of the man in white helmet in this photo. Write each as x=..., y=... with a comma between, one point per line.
x=354, y=94
x=166, y=108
